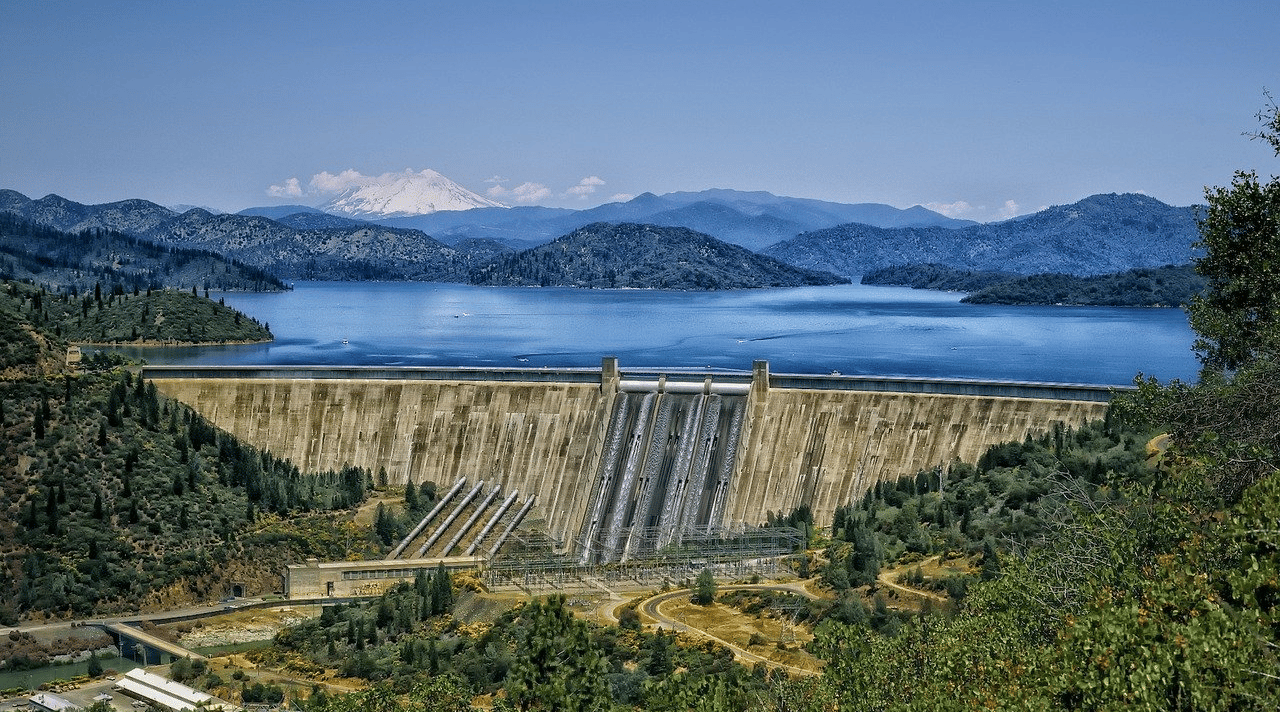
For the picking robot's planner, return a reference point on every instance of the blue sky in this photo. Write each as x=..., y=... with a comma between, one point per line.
x=978, y=109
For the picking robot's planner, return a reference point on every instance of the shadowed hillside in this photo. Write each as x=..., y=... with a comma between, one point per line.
x=629, y=255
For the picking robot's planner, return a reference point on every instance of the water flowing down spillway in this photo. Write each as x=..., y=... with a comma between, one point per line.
x=664, y=472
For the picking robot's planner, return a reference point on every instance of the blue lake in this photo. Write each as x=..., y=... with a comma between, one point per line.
x=853, y=329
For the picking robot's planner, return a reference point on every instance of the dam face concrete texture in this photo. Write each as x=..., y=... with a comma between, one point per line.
x=537, y=438
x=826, y=448
x=822, y=446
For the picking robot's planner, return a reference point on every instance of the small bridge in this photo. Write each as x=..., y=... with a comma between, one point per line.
x=135, y=643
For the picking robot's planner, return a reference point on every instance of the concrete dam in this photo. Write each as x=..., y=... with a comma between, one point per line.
x=614, y=464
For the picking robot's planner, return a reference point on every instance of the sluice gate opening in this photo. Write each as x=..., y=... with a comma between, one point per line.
x=665, y=468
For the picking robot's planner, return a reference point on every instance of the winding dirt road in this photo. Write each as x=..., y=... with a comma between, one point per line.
x=652, y=607
x=889, y=580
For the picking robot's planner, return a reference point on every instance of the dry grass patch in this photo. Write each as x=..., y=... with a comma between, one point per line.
x=733, y=626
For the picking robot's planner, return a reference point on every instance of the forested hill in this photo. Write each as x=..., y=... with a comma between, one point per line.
x=630, y=255
x=26, y=349
x=935, y=277
x=116, y=317
x=114, y=498
x=1166, y=286
x=109, y=259
x=1097, y=235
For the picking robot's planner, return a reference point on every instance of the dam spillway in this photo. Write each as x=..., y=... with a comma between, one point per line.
x=664, y=472
x=599, y=463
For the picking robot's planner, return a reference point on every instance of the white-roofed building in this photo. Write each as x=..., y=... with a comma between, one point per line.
x=163, y=692
x=45, y=702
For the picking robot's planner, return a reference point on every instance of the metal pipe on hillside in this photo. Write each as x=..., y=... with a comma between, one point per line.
x=475, y=516
x=493, y=521
x=422, y=550
x=427, y=519
x=514, y=522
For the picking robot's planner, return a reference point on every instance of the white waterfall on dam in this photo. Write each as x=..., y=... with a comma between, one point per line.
x=664, y=473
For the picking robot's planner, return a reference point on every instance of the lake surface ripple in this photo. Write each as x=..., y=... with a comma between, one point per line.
x=853, y=329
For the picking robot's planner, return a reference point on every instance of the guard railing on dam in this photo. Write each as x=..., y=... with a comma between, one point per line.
x=946, y=386
x=384, y=373
x=674, y=379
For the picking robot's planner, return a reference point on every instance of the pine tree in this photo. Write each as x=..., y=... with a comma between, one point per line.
x=411, y=503
x=990, y=563
x=660, y=662
x=51, y=510
x=433, y=657
x=559, y=667
x=384, y=525
x=441, y=591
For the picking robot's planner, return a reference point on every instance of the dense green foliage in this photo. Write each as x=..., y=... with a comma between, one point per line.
x=391, y=524
x=936, y=276
x=535, y=656
x=112, y=493
x=23, y=348
x=1145, y=602
x=704, y=589
x=557, y=667
x=1154, y=586
x=627, y=255
x=1012, y=496
x=116, y=498
x=1230, y=420
x=1238, y=317
x=1147, y=287
x=75, y=262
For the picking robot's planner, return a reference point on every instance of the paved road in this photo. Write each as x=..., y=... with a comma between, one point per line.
x=652, y=607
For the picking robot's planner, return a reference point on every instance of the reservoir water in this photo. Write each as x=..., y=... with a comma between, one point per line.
x=853, y=329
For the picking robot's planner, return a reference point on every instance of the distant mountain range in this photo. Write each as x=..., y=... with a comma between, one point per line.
x=750, y=219
x=621, y=255
x=359, y=251
x=1097, y=235
x=432, y=203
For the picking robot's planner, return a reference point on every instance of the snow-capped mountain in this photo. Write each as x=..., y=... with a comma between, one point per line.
x=404, y=194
